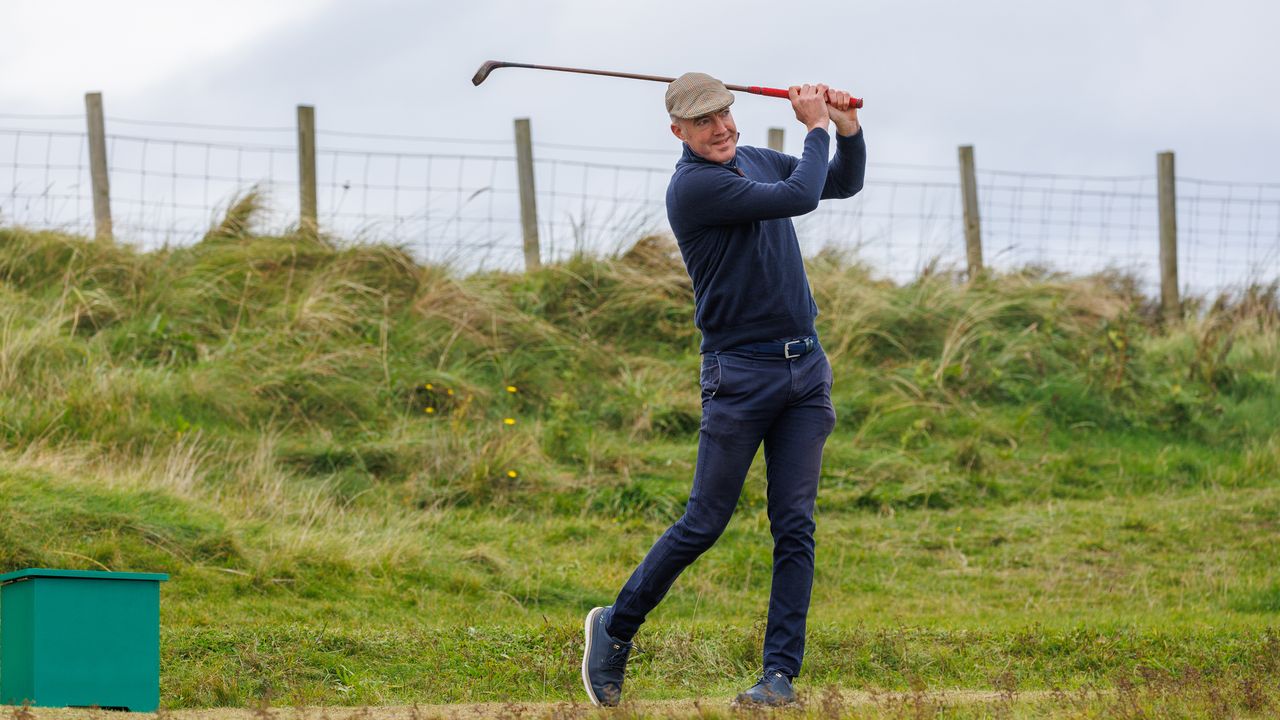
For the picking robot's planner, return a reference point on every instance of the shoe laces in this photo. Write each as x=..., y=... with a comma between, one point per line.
x=767, y=676
x=617, y=659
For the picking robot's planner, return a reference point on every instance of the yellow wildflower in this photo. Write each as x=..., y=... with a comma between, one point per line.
x=511, y=388
x=512, y=473
x=430, y=411
x=508, y=421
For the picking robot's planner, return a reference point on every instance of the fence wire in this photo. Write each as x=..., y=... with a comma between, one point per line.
x=463, y=207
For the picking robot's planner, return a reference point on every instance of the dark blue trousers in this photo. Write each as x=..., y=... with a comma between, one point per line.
x=749, y=398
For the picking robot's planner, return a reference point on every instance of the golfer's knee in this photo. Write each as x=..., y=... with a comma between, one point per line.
x=703, y=526
x=793, y=528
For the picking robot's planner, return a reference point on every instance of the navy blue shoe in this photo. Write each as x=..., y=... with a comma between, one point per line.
x=773, y=689
x=604, y=661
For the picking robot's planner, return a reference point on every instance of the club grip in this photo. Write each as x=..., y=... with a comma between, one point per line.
x=781, y=93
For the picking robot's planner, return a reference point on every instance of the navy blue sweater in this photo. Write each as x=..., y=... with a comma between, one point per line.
x=733, y=224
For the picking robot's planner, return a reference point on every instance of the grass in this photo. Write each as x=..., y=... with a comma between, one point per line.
x=1186, y=695
x=375, y=482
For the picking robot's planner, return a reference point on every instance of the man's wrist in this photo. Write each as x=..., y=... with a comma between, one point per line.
x=848, y=129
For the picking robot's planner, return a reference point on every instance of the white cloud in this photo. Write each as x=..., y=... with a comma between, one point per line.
x=53, y=51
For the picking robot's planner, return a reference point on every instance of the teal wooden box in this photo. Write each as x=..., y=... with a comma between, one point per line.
x=78, y=638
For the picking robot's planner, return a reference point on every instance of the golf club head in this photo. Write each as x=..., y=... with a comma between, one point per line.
x=488, y=67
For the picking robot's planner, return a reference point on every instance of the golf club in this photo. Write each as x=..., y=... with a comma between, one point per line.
x=491, y=65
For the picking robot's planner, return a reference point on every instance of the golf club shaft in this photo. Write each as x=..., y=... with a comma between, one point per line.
x=753, y=89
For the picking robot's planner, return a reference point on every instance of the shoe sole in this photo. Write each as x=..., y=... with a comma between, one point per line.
x=586, y=653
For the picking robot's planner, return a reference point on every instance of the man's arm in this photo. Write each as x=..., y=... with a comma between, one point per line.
x=718, y=196
x=721, y=197
x=849, y=167
x=843, y=112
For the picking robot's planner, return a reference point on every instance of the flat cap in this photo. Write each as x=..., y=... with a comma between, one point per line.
x=696, y=94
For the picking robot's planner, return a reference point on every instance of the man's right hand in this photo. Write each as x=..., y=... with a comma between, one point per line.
x=810, y=104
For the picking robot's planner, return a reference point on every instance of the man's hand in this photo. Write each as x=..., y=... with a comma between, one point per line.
x=810, y=104
x=842, y=112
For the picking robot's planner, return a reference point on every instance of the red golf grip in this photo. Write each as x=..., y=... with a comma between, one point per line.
x=779, y=93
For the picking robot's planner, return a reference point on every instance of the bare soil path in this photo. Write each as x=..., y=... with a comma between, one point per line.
x=821, y=704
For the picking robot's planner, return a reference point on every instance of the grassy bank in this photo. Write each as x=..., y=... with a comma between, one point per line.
x=378, y=482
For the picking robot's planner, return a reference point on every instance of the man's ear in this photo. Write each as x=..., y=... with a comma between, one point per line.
x=677, y=131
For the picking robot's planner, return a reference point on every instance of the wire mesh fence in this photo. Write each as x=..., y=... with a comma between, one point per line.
x=462, y=207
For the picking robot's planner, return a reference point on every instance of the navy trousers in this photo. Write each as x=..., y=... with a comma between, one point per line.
x=749, y=398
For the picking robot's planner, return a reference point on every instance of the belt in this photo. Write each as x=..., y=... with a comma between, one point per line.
x=781, y=348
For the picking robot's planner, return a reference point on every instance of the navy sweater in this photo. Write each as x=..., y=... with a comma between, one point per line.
x=733, y=224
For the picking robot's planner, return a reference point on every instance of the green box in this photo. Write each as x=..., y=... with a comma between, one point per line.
x=78, y=638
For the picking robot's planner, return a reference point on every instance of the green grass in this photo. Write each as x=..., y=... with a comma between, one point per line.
x=1031, y=481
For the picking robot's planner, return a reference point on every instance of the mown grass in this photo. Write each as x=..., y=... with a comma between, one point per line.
x=379, y=482
x=1154, y=695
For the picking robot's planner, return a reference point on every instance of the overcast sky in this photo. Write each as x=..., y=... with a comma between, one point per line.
x=1087, y=86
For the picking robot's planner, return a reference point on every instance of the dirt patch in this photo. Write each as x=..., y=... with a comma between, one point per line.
x=822, y=703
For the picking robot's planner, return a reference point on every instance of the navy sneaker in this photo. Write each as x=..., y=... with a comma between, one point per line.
x=773, y=689
x=604, y=661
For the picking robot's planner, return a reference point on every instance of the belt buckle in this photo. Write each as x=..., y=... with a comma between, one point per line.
x=786, y=348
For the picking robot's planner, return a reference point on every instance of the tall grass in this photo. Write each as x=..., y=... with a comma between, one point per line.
x=304, y=430
x=322, y=354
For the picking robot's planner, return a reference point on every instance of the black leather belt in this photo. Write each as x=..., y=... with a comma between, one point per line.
x=780, y=348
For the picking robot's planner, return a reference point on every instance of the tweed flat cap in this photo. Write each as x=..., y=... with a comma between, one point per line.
x=696, y=94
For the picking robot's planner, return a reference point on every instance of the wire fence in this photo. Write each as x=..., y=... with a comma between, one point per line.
x=456, y=200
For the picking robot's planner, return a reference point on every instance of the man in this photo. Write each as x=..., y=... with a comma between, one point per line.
x=764, y=376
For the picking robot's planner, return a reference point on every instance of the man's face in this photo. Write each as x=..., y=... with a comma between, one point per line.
x=713, y=136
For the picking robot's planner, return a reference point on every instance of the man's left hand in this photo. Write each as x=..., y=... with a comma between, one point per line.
x=842, y=112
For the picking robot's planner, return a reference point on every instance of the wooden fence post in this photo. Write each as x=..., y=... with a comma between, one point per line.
x=776, y=139
x=528, y=200
x=98, y=175
x=972, y=225
x=308, y=217
x=1168, y=238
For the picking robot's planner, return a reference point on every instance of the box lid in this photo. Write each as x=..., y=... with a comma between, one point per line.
x=83, y=574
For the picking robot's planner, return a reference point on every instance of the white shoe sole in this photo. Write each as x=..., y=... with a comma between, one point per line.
x=586, y=653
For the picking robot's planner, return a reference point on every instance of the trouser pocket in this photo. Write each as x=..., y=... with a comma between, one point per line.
x=709, y=376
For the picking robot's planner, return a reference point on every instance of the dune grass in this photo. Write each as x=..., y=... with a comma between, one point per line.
x=374, y=481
